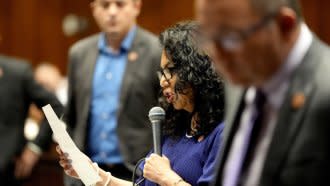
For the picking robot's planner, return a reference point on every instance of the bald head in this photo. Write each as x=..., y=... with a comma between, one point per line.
x=48, y=75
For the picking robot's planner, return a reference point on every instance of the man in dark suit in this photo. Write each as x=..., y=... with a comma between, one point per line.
x=18, y=90
x=112, y=85
x=271, y=57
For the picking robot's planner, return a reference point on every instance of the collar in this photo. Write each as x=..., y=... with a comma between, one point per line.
x=277, y=85
x=126, y=44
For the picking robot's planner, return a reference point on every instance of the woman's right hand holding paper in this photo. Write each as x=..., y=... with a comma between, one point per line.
x=65, y=162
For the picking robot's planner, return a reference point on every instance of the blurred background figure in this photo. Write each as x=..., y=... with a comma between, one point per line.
x=50, y=77
x=18, y=91
x=112, y=85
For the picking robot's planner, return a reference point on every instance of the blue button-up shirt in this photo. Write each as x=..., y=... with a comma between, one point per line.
x=108, y=75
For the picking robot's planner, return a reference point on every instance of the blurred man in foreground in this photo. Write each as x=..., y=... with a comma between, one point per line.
x=278, y=98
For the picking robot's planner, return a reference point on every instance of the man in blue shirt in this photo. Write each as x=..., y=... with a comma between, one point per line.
x=112, y=85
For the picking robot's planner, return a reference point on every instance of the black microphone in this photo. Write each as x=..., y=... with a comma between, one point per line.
x=156, y=117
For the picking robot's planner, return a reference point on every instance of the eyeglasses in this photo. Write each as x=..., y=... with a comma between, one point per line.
x=234, y=40
x=167, y=73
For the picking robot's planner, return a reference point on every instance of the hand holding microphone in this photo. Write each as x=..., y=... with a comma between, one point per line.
x=157, y=117
x=157, y=167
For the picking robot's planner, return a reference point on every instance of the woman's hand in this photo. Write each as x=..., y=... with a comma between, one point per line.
x=158, y=169
x=66, y=163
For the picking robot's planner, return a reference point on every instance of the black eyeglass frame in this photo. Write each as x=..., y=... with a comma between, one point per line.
x=167, y=75
x=235, y=39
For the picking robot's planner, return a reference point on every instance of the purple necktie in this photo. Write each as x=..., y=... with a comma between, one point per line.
x=241, y=159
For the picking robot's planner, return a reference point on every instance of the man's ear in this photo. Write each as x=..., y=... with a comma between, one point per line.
x=92, y=6
x=287, y=20
x=138, y=6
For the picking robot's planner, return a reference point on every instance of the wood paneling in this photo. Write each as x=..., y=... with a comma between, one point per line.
x=324, y=18
x=317, y=17
x=33, y=29
x=4, y=15
x=22, y=22
x=158, y=15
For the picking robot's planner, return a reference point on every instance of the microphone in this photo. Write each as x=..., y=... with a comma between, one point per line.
x=156, y=117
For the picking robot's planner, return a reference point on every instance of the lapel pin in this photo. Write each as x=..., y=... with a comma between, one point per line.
x=132, y=56
x=298, y=100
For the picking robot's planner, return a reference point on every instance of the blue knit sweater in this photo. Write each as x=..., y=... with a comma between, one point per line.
x=194, y=161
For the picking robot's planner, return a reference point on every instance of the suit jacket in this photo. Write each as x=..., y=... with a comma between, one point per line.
x=139, y=93
x=18, y=90
x=299, y=153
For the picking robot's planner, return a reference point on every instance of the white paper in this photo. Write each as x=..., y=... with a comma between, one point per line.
x=80, y=162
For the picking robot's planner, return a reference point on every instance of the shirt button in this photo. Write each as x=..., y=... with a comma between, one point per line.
x=103, y=135
x=109, y=76
x=103, y=155
x=104, y=116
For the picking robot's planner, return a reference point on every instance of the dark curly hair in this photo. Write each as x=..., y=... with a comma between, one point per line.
x=193, y=68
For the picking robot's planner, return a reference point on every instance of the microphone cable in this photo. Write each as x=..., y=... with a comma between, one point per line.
x=134, y=172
